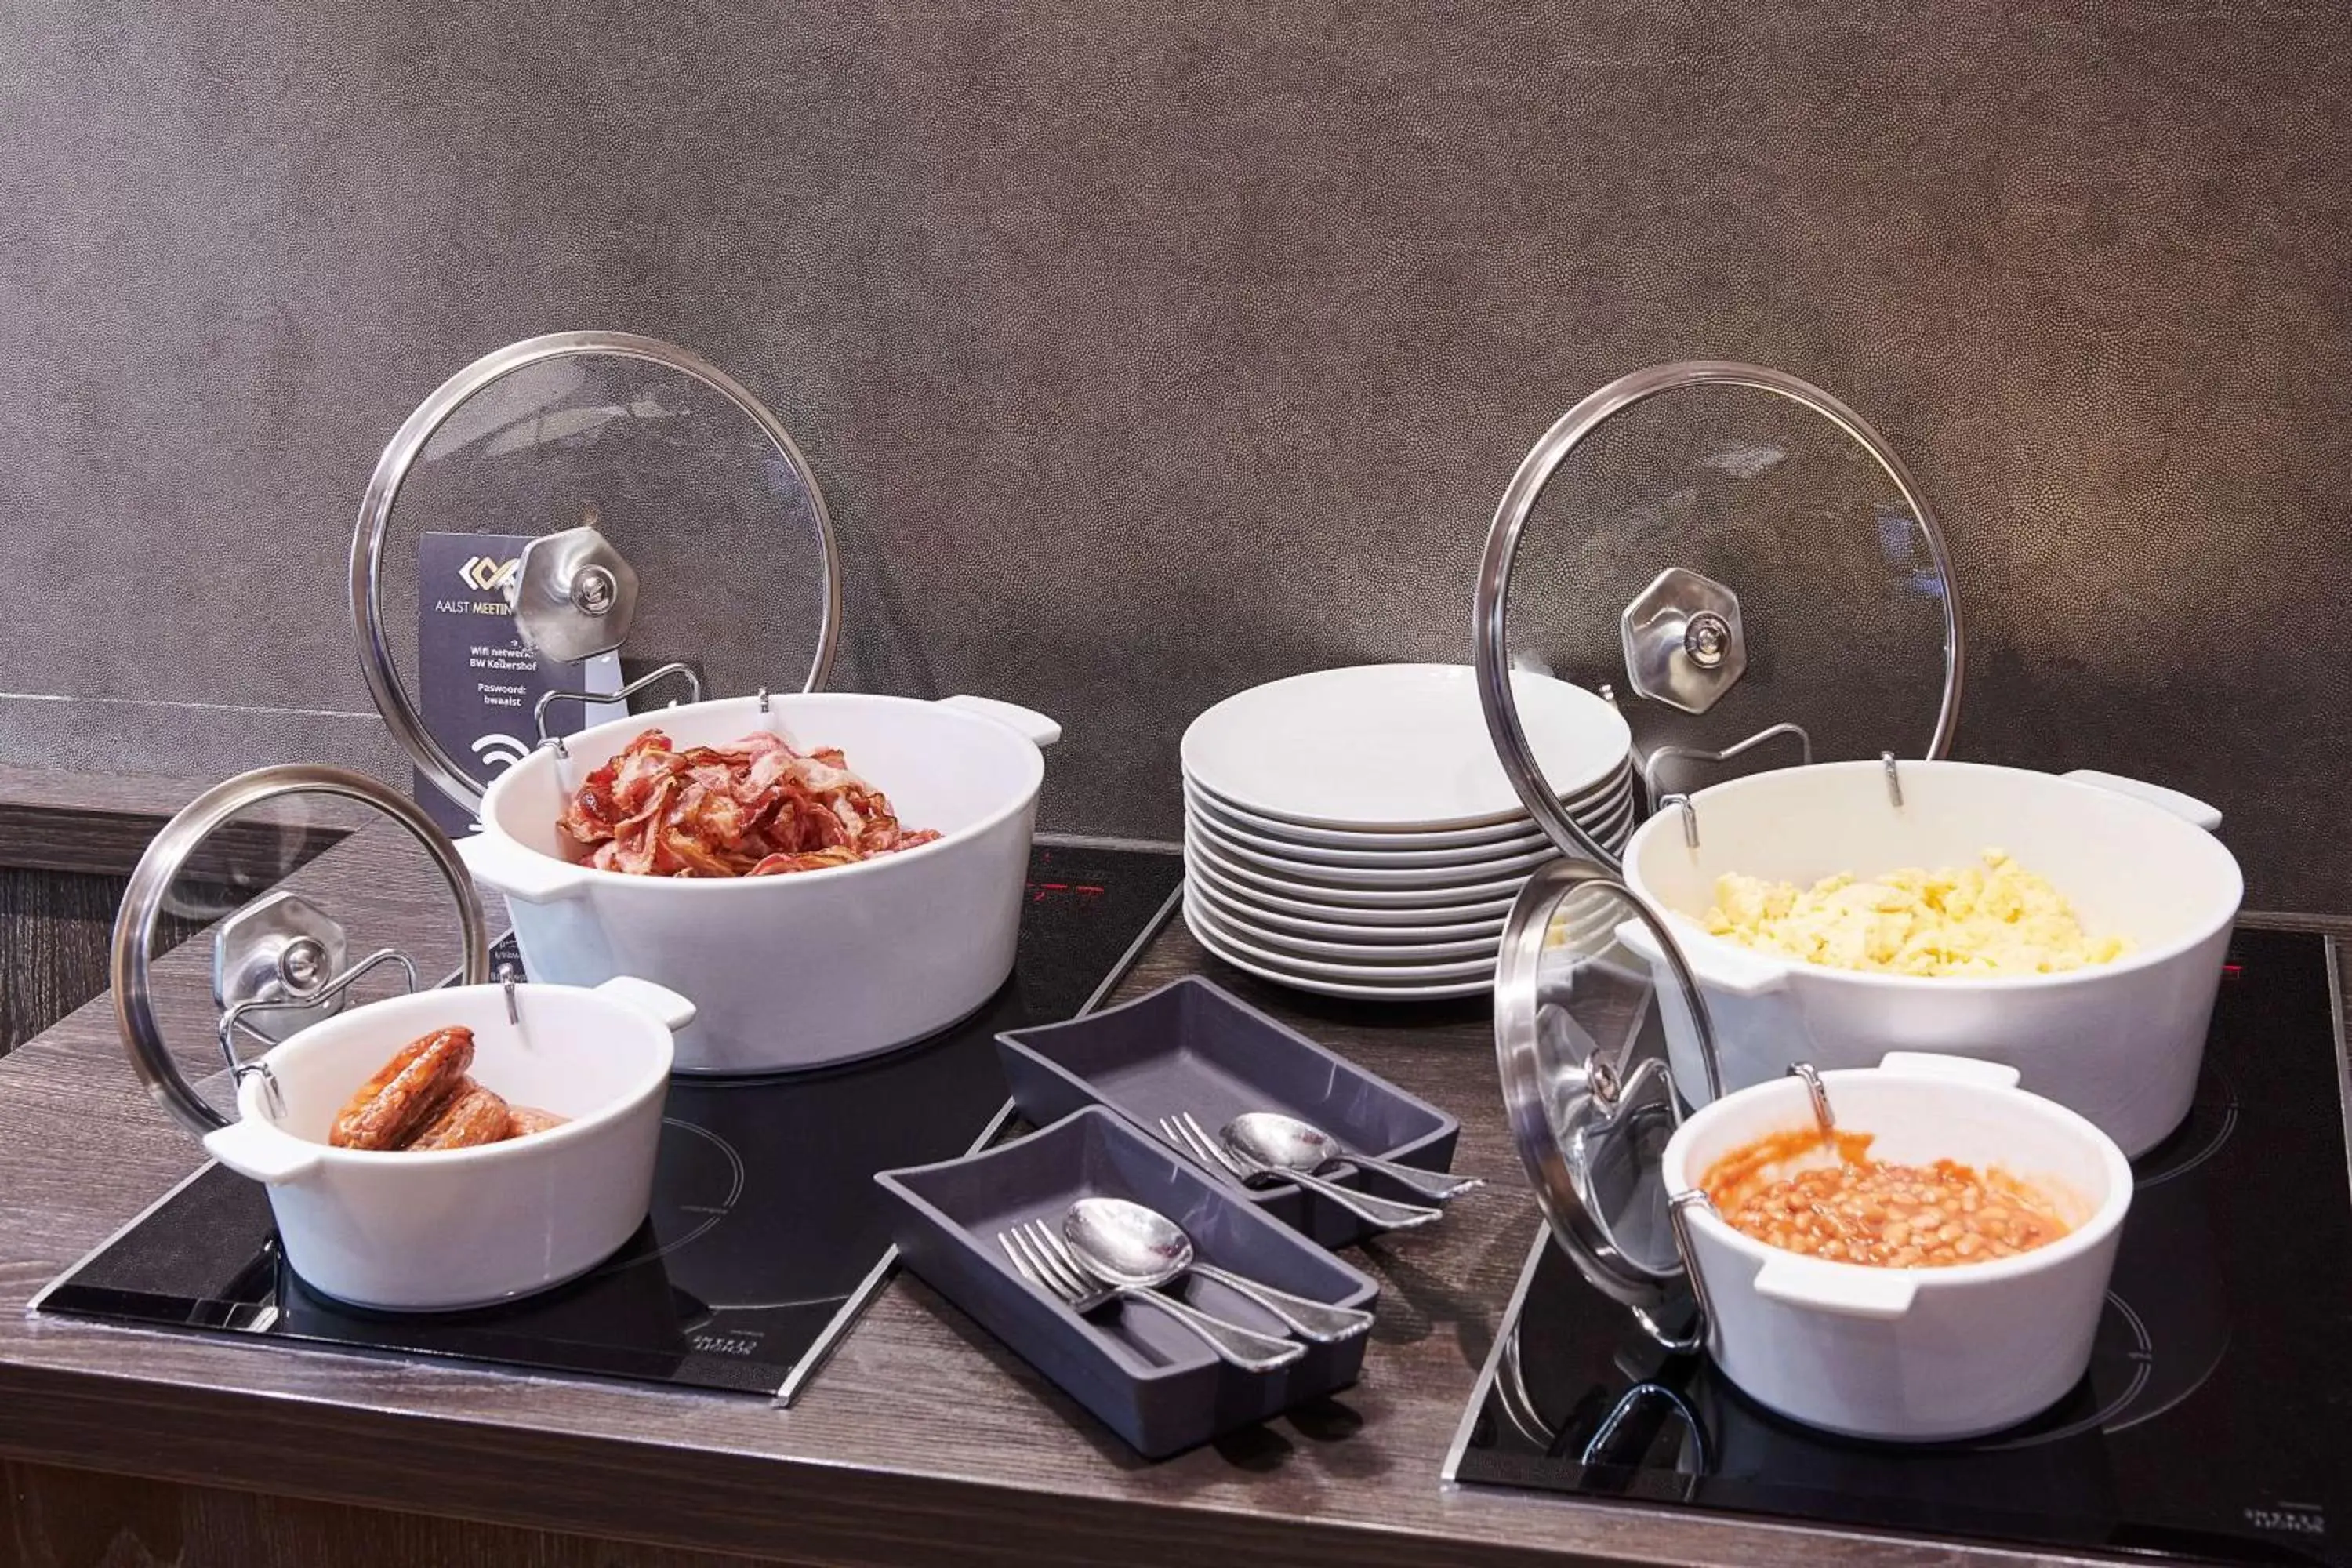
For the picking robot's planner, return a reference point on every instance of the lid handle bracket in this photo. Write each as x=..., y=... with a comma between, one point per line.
x=1655, y=802
x=548, y=699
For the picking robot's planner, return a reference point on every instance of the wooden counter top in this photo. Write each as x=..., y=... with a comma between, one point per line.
x=923, y=1442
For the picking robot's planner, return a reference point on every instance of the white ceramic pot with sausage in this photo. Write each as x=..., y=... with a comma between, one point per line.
x=2119, y=1042
x=813, y=967
x=516, y=1210
x=444, y=1229
x=1920, y=1353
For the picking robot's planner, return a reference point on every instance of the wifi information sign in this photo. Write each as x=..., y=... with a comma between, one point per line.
x=477, y=684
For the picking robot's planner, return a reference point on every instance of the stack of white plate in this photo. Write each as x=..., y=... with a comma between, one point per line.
x=1351, y=832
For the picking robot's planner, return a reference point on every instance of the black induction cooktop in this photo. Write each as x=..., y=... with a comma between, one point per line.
x=2215, y=1422
x=767, y=1236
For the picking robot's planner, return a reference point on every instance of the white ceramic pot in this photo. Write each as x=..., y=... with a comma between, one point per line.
x=815, y=967
x=2118, y=1042
x=1911, y=1355
x=444, y=1229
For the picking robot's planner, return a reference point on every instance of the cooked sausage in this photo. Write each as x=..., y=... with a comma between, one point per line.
x=474, y=1115
x=523, y=1120
x=412, y=1087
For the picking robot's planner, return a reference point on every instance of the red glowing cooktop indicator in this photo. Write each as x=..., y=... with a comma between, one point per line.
x=1040, y=892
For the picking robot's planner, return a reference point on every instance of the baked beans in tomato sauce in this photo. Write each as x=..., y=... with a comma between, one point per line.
x=1861, y=1210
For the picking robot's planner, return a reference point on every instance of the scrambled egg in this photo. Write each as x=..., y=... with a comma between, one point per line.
x=1994, y=919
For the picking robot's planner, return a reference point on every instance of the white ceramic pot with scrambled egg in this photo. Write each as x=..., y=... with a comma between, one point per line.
x=1909, y=1354
x=2119, y=1041
x=815, y=967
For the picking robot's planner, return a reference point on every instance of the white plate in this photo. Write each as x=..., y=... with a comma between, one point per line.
x=1318, y=868
x=1258, y=913
x=1339, y=981
x=1231, y=829
x=1354, y=992
x=1247, y=923
x=1395, y=745
x=1370, y=974
x=1314, y=874
x=1441, y=896
x=1387, y=916
x=1614, y=828
x=1618, y=785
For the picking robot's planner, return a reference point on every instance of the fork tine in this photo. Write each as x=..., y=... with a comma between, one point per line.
x=1215, y=1146
x=1038, y=1271
x=1189, y=1132
x=1046, y=1246
x=1059, y=1247
x=1021, y=1264
x=1172, y=1132
x=1172, y=1128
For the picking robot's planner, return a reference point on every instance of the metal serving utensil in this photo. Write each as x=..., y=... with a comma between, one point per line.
x=1134, y=1245
x=1302, y=1145
x=1046, y=1260
x=1186, y=1133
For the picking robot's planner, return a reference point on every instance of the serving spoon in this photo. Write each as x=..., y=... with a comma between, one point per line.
x=1295, y=1145
x=1133, y=1246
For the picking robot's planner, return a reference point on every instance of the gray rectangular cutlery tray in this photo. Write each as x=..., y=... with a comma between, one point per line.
x=1193, y=1045
x=1147, y=1377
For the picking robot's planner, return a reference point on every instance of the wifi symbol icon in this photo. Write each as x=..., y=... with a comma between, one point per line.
x=500, y=752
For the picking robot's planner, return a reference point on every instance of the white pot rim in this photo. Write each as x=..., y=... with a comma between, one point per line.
x=637, y=723
x=1690, y=931
x=654, y=1079
x=2094, y=1231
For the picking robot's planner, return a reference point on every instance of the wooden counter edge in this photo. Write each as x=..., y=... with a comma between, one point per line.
x=679, y=1497
x=98, y=824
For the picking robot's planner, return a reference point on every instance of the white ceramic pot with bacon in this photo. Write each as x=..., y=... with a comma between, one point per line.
x=867, y=936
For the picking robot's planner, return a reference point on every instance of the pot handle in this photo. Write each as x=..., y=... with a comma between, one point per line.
x=1959, y=1069
x=2186, y=807
x=501, y=865
x=660, y=1004
x=1844, y=1290
x=1033, y=726
x=263, y=1152
x=1731, y=970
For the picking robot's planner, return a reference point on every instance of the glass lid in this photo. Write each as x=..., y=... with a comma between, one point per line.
x=1740, y=563
x=1580, y=1042
x=281, y=958
x=575, y=513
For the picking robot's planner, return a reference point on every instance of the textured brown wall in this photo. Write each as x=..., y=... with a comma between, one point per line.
x=1149, y=349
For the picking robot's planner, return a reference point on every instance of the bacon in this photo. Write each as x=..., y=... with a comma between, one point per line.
x=752, y=807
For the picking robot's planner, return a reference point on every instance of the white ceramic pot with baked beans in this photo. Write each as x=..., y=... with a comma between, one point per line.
x=2119, y=1041
x=1916, y=1353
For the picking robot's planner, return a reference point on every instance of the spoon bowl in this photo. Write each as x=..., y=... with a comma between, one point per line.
x=1139, y=1248
x=1127, y=1243
x=1286, y=1144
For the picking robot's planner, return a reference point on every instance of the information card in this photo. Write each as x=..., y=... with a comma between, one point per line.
x=478, y=685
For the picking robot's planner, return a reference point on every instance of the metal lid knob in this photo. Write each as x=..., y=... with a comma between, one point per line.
x=277, y=964
x=574, y=594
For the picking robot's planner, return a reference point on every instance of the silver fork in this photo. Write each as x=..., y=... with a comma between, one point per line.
x=1186, y=1133
x=1047, y=1261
